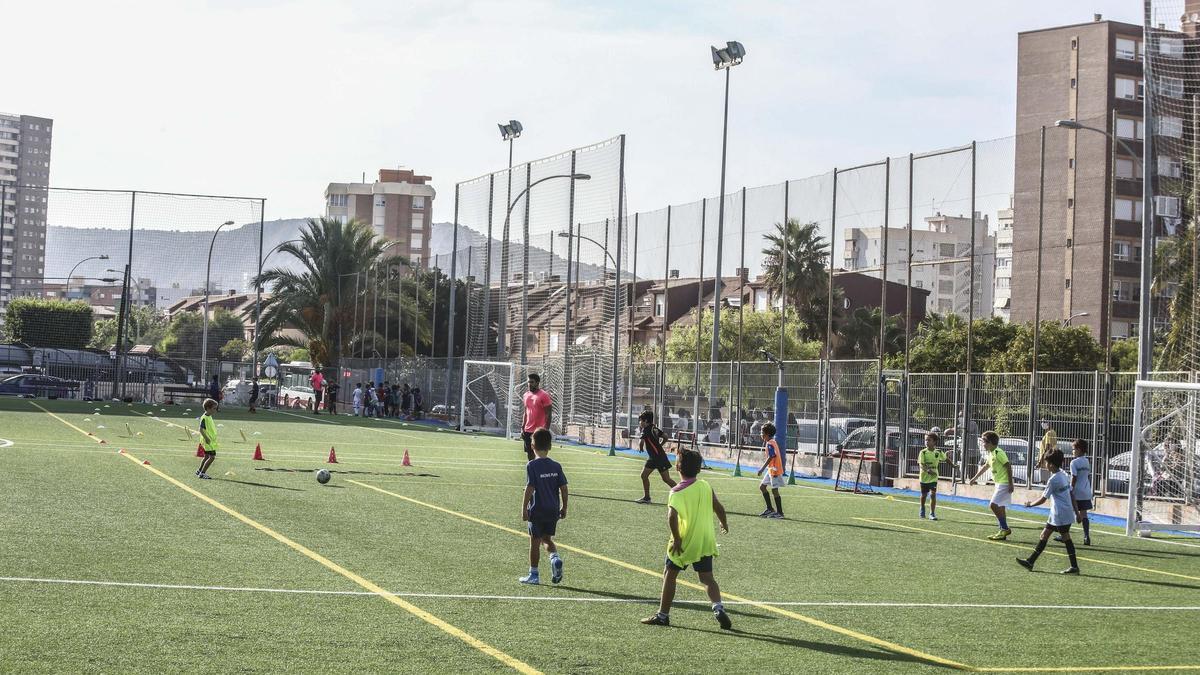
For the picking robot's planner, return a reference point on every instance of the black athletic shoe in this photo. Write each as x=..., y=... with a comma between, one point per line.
x=1025, y=563
x=643, y=500
x=723, y=619
x=658, y=620
x=767, y=513
x=1070, y=570
x=1087, y=542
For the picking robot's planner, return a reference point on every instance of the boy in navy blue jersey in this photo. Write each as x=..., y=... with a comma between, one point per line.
x=656, y=454
x=544, y=504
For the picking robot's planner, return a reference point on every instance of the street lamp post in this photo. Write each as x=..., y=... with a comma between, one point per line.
x=509, y=132
x=723, y=59
x=207, y=283
x=1076, y=315
x=500, y=337
x=72, y=272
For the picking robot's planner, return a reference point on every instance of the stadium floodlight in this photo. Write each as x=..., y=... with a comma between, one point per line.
x=207, y=283
x=511, y=130
x=730, y=56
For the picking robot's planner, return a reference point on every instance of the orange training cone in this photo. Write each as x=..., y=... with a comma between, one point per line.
x=258, y=451
x=332, y=456
x=199, y=450
x=407, y=461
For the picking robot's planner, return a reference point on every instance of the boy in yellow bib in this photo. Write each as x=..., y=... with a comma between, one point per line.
x=690, y=510
x=208, y=436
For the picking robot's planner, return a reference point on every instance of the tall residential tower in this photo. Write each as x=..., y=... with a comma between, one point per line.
x=24, y=176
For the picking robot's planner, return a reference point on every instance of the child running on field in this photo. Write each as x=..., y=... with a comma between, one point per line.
x=773, y=465
x=208, y=437
x=656, y=454
x=544, y=504
x=690, y=510
x=1062, y=513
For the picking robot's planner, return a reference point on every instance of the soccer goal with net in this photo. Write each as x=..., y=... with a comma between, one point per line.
x=1161, y=465
x=488, y=397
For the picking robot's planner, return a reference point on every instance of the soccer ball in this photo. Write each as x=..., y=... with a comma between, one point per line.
x=323, y=476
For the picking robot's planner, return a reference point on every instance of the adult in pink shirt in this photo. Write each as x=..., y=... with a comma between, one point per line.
x=318, y=383
x=537, y=412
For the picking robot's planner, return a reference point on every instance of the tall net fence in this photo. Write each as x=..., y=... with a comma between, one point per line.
x=135, y=267
x=1170, y=53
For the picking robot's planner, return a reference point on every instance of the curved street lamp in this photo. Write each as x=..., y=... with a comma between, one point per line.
x=501, y=347
x=72, y=272
x=207, y=283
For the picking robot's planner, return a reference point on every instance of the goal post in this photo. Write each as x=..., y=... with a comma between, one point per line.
x=1162, y=466
x=487, y=399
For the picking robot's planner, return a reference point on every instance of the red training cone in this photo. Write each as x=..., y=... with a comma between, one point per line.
x=103, y=442
x=258, y=451
x=199, y=449
x=146, y=462
x=407, y=461
x=332, y=456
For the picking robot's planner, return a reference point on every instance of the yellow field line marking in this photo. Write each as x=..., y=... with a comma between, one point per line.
x=1080, y=669
x=478, y=644
x=511, y=662
x=1018, y=546
x=889, y=646
x=91, y=436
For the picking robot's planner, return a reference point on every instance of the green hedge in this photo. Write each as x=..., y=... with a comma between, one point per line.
x=49, y=323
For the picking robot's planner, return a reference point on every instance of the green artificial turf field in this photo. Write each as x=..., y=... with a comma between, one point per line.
x=414, y=569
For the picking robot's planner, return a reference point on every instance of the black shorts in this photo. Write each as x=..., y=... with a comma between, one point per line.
x=527, y=439
x=928, y=487
x=210, y=453
x=658, y=462
x=543, y=527
x=1083, y=505
x=1061, y=529
x=702, y=565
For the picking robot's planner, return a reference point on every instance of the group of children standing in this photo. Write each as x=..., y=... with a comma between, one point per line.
x=387, y=400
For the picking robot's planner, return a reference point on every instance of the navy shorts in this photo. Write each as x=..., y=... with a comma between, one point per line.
x=1083, y=505
x=702, y=565
x=929, y=487
x=543, y=527
x=658, y=463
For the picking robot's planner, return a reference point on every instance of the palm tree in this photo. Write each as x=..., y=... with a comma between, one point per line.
x=322, y=301
x=806, y=287
x=859, y=334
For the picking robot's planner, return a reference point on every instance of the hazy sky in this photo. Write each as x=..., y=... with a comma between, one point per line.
x=277, y=98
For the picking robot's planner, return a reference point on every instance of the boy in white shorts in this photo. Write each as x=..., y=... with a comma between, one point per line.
x=997, y=461
x=773, y=465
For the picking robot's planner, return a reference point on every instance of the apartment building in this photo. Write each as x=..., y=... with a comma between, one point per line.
x=25, y=143
x=1002, y=293
x=398, y=206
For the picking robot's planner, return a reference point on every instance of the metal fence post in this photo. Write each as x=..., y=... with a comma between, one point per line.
x=616, y=387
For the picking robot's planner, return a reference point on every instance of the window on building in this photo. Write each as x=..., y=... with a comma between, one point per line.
x=1171, y=86
x=418, y=202
x=1129, y=88
x=660, y=304
x=1128, y=49
x=1073, y=83
x=1170, y=126
x=946, y=250
x=1122, y=251
x=337, y=200
x=554, y=342
x=946, y=286
x=1131, y=128
x=1170, y=46
x=1169, y=167
x=416, y=241
x=1003, y=282
x=1129, y=169
x=418, y=221
x=1128, y=209
x=380, y=202
x=1070, y=162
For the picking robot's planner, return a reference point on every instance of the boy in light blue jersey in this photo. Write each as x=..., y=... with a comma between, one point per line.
x=1062, y=513
x=1081, y=487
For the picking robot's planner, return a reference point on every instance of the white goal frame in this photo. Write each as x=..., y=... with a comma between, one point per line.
x=467, y=382
x=1133, y=525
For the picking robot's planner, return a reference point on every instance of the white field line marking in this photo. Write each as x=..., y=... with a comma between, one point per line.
x=566, y=598
x=5, y=443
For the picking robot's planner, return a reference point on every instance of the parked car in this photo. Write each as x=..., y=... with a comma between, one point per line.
x=1157, y=474
x=440, y=410
x=849, y=424
x=807, y=436
x=297, y=396
x=33, y=386
x=862, y=443
x=1017, y=450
